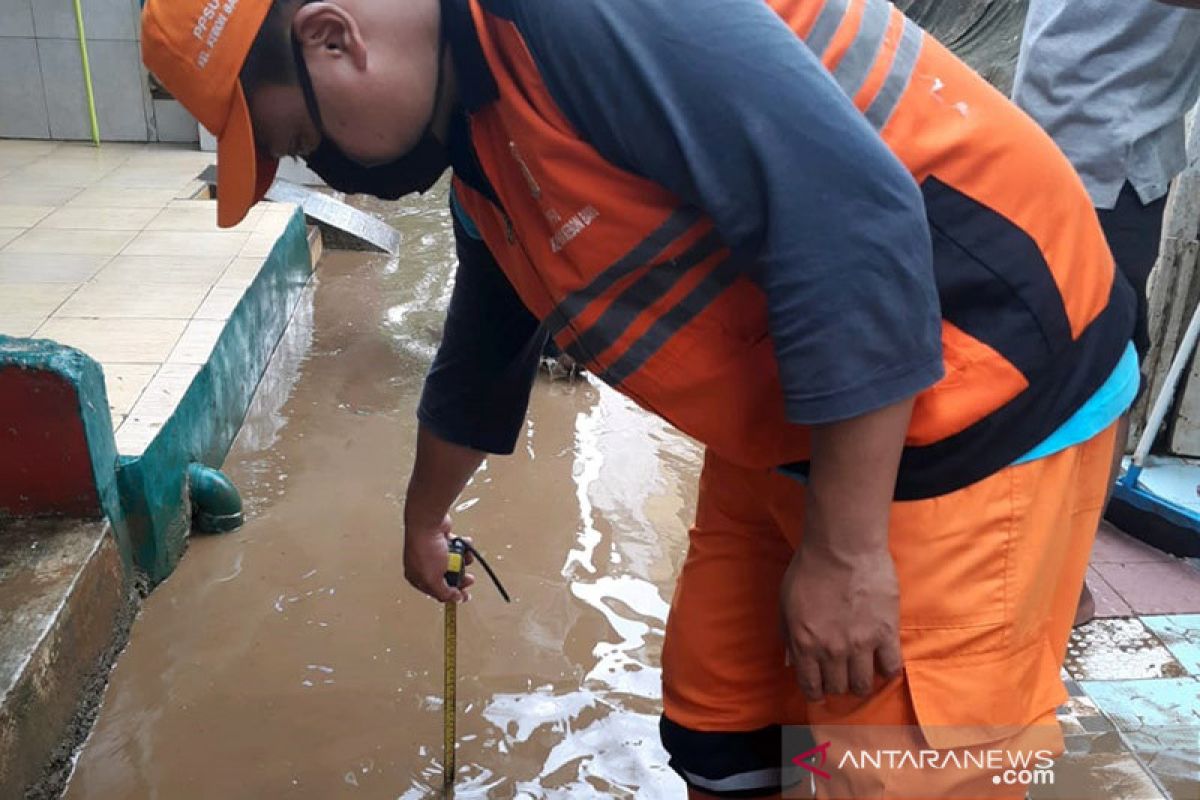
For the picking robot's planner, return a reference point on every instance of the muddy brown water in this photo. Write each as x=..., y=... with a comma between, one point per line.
x=290, y=659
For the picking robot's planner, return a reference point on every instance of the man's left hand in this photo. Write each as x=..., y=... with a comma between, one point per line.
x=840, y=617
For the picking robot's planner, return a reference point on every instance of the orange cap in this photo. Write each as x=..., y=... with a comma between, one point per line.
x=196, y=48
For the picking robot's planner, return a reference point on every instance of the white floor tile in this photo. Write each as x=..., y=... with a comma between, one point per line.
x=21, y=193
x=97, y=243
x=120, y=197
x=49, y=267
x=32, y=299
x=125, y=383
x=187, y=270
x=133, y=341
x=23, y=216
x=197, y=342
x=106, y=218
x=179, y=243
x=220, y=303
x=150, y=301
x=20, y=324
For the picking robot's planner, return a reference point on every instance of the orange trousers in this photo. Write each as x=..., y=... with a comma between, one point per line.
x=989, y=580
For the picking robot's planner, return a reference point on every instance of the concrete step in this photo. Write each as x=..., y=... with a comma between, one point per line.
x=65, y=609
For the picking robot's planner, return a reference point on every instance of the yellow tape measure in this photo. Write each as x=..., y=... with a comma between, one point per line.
x=451, y=698
x=456, y=562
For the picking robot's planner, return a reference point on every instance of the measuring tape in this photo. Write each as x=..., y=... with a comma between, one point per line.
x=456, y=563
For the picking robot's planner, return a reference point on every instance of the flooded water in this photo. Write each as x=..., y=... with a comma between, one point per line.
x=290, y=659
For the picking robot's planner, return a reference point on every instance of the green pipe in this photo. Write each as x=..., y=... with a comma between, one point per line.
x=87, y=74
x=216, y=504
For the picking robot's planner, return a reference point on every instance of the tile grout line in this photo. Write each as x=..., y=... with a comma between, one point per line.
x=133, y=406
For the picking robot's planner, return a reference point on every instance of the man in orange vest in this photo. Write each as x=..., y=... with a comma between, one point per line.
x=808, y=236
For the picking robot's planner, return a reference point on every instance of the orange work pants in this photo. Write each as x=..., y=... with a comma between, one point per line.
x=989, y=580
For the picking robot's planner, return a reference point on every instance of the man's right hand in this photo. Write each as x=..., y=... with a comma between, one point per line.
x=426, y=552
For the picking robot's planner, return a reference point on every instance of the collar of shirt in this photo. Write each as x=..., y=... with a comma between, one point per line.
x=475, y=83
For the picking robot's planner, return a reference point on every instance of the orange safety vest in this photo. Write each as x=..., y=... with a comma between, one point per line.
x=1013, y=230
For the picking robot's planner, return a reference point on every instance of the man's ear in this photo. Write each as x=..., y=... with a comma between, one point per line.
x=332, y=31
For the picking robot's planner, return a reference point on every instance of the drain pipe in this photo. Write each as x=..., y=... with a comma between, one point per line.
x=216, y=504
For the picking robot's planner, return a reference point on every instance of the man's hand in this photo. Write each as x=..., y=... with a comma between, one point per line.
x=440, y=471
x=840, y=599
x=425, y=559
x=840, y=615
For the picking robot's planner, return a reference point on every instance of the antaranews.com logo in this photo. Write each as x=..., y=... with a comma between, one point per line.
x=913, y=762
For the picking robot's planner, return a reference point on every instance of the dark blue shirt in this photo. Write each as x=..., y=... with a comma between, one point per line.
x=720, y=102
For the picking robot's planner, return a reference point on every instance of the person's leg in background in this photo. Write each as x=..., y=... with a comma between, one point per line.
x=989, y=578
x=1134, y=231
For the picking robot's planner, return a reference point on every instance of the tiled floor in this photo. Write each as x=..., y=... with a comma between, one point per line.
x=105, y=251
x=1133, y=721
x=1129, y=577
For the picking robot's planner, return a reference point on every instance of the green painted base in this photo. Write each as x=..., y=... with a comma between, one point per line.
x=154, y=485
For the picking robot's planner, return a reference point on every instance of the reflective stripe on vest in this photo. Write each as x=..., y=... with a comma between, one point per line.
x=869, y=45
x=873, y=19
x=641, y=289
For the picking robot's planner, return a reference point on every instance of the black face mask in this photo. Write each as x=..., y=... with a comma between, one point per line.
x=415, y=171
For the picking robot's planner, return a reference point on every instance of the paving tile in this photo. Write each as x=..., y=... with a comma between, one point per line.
x=1116, y=547
x=9, y=234
x=220, y=303
x=108, y=219
x=1081, y=716
x=157, y=175
x=179, y=157
x=22, y=194
x=1092, y=776
x=134, y=341
x=275, y=218
x=259, y=245
x=114, y=153
x=125, y=383
x=1108, y=602
x=178, y=243
x=134, y=437
x=198, y=215
x=98, y=243
x=49, y=267
x=23, y=216
x=27, y=148
x=197, y=342
x=185, y=270
x=50, y=171
x=1181, y=634
x=1172, y=755
x=149, y=301
x=20, y=324
x=1118, y=649
x=1155, y=588
x=1144, y=705
x=32, y=299
x=194, y=190
x=121, y=197
x=242, y=272
x=162, y=395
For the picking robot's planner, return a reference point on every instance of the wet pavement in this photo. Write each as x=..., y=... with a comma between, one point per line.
x=290, y=659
